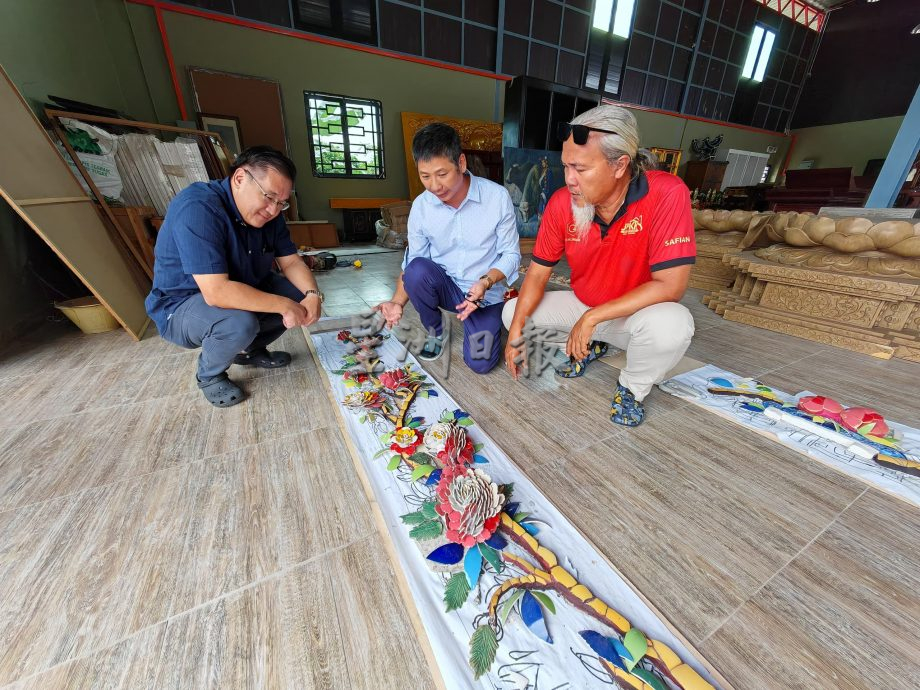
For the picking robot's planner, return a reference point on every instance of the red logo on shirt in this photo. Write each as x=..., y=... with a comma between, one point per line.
x=632, y=227
x=571, y=234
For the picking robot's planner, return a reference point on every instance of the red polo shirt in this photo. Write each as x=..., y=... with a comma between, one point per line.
x=653, y=230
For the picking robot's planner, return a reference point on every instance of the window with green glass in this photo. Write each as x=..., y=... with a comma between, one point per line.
x=346, y=136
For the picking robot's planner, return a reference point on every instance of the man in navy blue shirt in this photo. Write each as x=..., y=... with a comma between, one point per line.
x=213, y=284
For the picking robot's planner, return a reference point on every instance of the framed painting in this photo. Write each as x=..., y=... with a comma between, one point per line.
x=227, y=126
x=531, y=177
x=668, y=159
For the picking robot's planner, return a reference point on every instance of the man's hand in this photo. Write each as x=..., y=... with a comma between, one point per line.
x=468, y=306
x=295, y=315
x=515, y=353
x=580, y=337
x=391, y=311
x=314, y=306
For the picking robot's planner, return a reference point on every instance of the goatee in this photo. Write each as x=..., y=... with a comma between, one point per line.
x=584, y=217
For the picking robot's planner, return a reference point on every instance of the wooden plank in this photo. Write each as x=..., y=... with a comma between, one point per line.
x=375, y=202
x=44, y=201
x=33, y=167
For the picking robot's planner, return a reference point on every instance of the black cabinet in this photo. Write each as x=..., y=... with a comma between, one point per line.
x=533, y=107
x=361, y=224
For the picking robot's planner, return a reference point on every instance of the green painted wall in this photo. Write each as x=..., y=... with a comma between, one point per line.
x=844, y=145
x=79, y=49
x=301, y=65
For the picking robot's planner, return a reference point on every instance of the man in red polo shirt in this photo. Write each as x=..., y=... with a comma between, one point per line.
x=626, y=232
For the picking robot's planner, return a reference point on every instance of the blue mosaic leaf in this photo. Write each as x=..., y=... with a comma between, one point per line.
x=480, y=459
x=432, y=393
x=434, y=477
x=472, y=566
x=449, y=554
x=531, y=528
x=497, y=541
x=512, y=508
x=602, y=647
x=532, y=614
x=722, y=383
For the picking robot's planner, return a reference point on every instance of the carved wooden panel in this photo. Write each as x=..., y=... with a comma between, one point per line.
x=475, y=135
x=825, y=305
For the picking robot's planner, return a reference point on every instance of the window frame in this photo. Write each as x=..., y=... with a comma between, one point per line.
x=760, y=61
x=345, y=101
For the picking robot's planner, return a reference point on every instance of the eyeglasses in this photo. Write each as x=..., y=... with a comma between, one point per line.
x=579, y=132
x=282, y=205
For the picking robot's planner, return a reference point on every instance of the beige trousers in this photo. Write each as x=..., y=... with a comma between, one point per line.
x=655, y=338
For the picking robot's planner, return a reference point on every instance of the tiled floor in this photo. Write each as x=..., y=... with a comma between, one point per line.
x=150, y=540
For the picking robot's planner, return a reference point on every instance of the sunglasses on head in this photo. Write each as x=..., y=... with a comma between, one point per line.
x=579, y=132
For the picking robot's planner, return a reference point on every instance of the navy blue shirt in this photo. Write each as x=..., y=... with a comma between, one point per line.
x=203, y=233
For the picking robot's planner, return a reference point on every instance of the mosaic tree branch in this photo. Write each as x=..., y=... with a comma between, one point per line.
x=553, y=576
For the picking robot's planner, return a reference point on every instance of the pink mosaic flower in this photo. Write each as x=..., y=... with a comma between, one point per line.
x=470, y=503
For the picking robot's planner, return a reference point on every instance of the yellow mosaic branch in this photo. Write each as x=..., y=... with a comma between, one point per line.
x=408, y=396
x=554, y=576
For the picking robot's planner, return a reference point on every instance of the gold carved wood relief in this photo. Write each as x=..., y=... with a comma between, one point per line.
x=475, y=135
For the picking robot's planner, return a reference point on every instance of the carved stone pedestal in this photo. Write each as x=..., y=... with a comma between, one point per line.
x=878, y=316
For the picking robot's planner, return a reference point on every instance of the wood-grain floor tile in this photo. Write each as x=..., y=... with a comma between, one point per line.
x=749, y=351
x=697, y=513
x=288, y=403
x=82, y=572
x=47, y=459
x=844, y=614
x=280, y=633
x=377, y=635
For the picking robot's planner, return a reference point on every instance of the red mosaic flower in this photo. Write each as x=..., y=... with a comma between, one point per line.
x=406, y=440
x=358, y=377
x=343, y=336
x=470, y=503
x=864, y=420
x=458, y=449
x=395, y=379
x=821, y=406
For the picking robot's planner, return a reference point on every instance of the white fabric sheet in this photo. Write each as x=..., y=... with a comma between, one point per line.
x=523, y=660
x=904, y=485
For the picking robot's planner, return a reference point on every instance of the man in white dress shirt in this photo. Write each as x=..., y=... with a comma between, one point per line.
x=463, y=249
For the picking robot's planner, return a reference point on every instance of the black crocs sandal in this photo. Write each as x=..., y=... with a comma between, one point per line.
x=221, y=391
x=263, y=359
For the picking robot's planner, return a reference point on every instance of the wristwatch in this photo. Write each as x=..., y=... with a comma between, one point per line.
x=317, y=293
x=488, y=278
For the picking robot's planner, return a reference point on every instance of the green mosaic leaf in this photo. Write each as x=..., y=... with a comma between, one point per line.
x=508, y=606
x=466, y=421
x=456, y=591
x=394, y=462
x=649, y=679
x=483, y=646
x=422, y=471
x=427, y=530
x=415, y=518
x=491, y=555
x=636, y=645
x=428, y=510
x=546, y=601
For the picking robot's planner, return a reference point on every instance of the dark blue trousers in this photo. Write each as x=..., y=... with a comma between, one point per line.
x=429, y=287
x=223, y=333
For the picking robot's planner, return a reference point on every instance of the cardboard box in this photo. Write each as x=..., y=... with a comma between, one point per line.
x=320, y=235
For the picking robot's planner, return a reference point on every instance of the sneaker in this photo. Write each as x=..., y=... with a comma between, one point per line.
x=625, y=409
x=431, y=351
x=571, y=369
